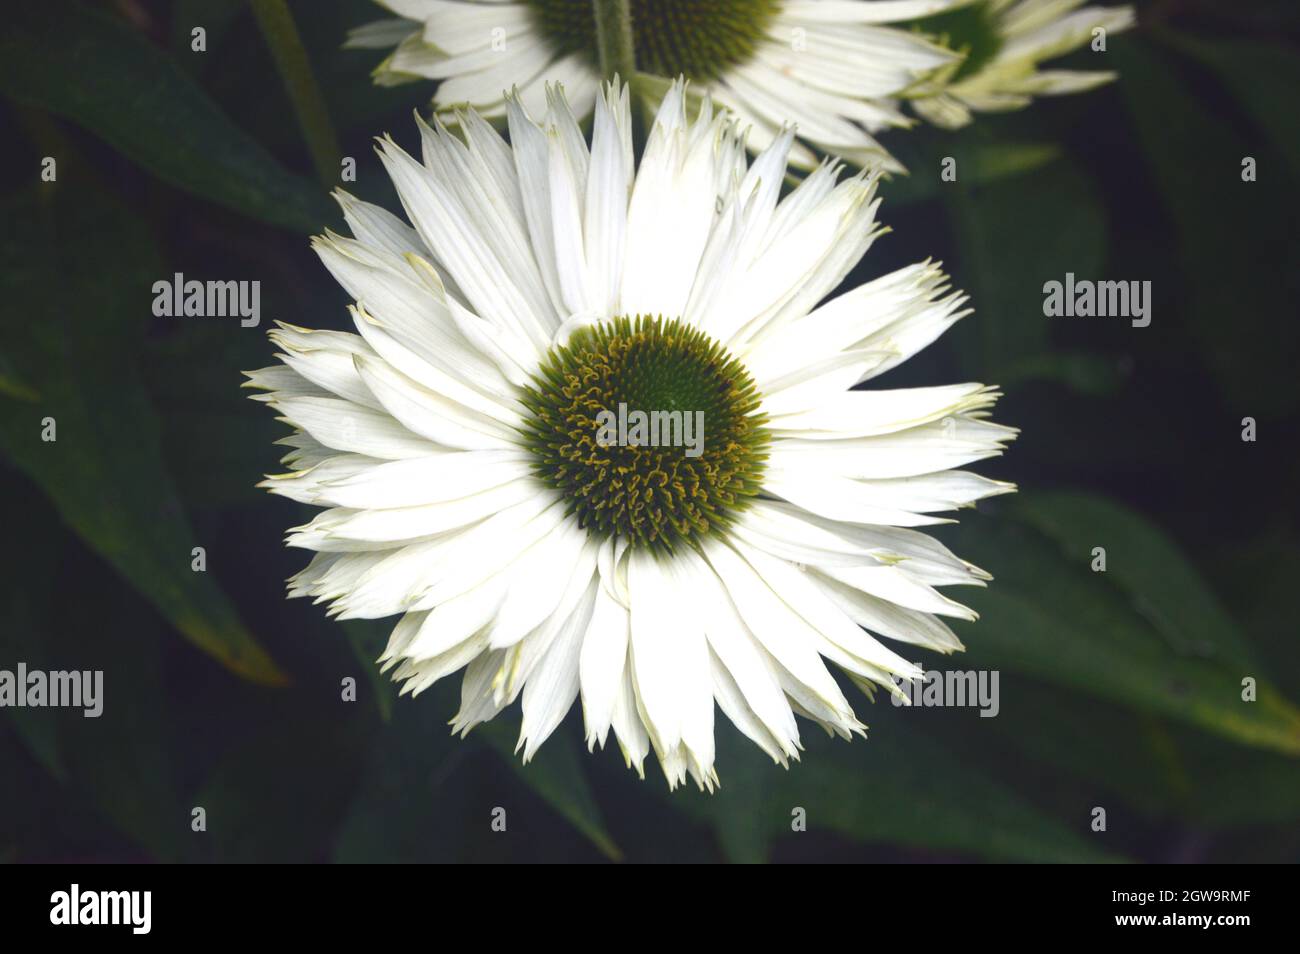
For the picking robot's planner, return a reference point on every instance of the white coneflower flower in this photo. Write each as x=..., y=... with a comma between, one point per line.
x=457, y=439
x=830, y=66
x=1004, y=41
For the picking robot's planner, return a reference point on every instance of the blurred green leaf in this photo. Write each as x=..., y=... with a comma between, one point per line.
x=1162, y=585
x=1240, y=240
x=1079, y=749
x=274, y=796
x=555, y=773
x=1075, y=750
x=1259, y=579
x=1013, y=236
x=76, y=303
x=1090, y=374
x=1053, y=618
x=354, y=101
x=215, y=441
x=89, y=67
x=414, y=795
x=115, y=766
x=26, y=598
x=12, y=386
x=898, y=787
x=367, y=643
x=281, y=34
x=41, y=819
x=1234, y=787
x=1264, y=78
x=1166, y=771
x=215, y=16
x=977, y=163
x=421, y=785
x=122, y=761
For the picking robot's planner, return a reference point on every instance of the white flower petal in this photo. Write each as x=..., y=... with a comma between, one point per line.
x=839, y=498
x=351, y=529
x=653, y=657
x=672, y=208
x=747, y=664
x=889, y=619
x=431, y=415
x=345, y=426
x=601, y=665
x=523, y=658
x=423, y=480
x=486, y=89
x=551, y=689
x=806, y=599
x=633, y=739
x=951, y=442
x=537, y=582
x=609, y=185
x=783, y=633
x=470, y=252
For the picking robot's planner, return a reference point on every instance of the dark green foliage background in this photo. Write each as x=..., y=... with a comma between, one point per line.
x=1119, y=690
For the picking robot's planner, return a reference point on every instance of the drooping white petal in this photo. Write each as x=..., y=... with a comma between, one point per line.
x=747, y=664
x=805, y=538
x=653, y=655
x=551, y=689
x=783, y=634
x=478, y=704
x=889, y=619
x=601, y=665
x=524, y=657
x=633, y=739
x=537, y=582
x=483, y=553
x=810, y=603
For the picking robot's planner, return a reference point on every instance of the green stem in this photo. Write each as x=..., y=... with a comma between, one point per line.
x=614, y=38
x=281, y=35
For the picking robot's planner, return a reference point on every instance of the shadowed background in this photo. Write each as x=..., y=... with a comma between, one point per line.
x=1119, y=690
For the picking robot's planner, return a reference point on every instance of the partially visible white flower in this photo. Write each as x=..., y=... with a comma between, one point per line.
x=832, y=68
x=454, y=447
x=1006, y=41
